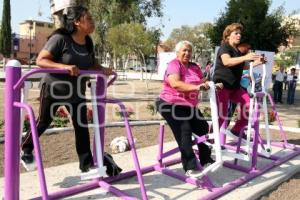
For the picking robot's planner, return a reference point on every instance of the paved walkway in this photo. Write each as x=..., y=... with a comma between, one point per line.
x=158, y=186
x=163, y=187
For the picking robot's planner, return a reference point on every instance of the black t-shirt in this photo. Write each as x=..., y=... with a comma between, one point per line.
x=229, y=76
x=64, y=87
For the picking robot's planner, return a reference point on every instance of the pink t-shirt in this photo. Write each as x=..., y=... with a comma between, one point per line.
x=191, y=75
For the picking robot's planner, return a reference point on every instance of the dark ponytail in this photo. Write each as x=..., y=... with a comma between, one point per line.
x=72, y=15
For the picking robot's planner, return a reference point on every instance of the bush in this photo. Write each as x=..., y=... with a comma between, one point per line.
x=207, y=112
x=60, y=119
x=271, y=116
x=89, y=115
x=151, y=108
x=1, y=124
x=26, y=124
x=129, y=111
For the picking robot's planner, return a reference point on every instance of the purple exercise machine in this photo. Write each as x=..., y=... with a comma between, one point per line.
x=13, y=104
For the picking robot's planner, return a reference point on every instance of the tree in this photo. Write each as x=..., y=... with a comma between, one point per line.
x=262, y=30
x=287, y=58
x=197, y=35
x=132, y=38
x=5, y=32
x=110, y=13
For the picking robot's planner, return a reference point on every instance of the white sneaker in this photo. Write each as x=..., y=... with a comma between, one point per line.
x=195, y=174
x=94, y=172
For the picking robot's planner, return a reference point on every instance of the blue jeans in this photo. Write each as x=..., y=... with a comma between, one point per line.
x=291, y=92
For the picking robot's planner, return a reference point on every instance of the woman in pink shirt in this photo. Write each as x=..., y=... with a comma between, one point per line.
x=177, y=103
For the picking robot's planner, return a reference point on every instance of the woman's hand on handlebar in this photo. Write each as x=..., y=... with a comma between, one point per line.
x=219, y=86
x=73, y=70
x=259, y=61
x=204, y=86
x=251, y=56
x=107, y=71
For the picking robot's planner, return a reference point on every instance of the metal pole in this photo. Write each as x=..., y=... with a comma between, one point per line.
x=12, y=131
x=30, y=28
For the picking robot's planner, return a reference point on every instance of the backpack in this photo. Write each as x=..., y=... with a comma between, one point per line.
x=112, y=169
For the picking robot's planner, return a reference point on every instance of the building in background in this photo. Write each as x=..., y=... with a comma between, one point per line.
x=32, y=37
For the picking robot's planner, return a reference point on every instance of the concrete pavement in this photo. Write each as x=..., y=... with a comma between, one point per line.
x=158, y=186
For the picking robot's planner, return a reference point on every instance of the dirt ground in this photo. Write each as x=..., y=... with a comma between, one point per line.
x=58, y=148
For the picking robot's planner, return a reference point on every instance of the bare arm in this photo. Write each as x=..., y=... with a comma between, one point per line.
x=229, y=61
x=45, y=60
x=175, y=82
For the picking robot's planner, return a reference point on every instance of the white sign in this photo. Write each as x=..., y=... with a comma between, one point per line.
x=164, y=58
x=258, y=70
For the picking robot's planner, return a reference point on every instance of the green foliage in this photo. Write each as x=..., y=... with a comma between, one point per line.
x=26, y=124
x=262, y=30
x=207, y=112
x=1, y=124
x=128, y=112
x=132, y=37
x=5, y=31
x=60, y=119
x=111, y=13
x=287, y=58
x=59, y=122
x=197, y=35
x=151, y=108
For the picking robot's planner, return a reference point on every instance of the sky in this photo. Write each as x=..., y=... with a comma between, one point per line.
x=176, y=12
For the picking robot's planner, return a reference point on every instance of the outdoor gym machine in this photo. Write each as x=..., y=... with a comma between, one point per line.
x=13, y=105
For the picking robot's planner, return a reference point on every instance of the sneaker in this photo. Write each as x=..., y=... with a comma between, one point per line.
x=93, y=172
x=194, y=173
x=27, y=160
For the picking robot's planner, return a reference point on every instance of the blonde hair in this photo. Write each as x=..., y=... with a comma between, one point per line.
x=229, y=29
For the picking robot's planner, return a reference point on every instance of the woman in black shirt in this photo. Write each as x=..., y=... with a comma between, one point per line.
x=228, y=71
x=68, y=48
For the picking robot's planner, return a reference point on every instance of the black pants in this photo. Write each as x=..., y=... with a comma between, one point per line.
x=277, y=88
x=183, y=121
x=79, y=119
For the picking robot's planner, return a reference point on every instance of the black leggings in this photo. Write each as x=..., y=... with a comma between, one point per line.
x=79, y=118
x=183, y=121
